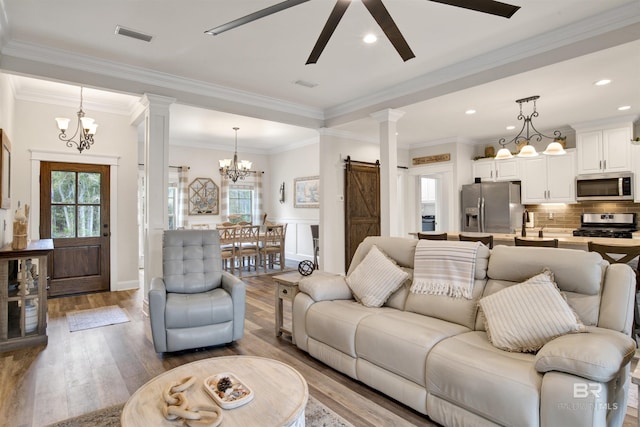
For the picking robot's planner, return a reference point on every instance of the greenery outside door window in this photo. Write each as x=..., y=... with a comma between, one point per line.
x=75, y=204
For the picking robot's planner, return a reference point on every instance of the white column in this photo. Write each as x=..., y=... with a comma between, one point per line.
x=389, y=218
x=331, y=204
x=156, y=176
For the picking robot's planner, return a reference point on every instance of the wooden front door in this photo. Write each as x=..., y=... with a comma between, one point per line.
x=74, y=212
x=362, y=204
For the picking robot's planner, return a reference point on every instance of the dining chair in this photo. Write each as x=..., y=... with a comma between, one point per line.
x=228, y=247
x=199, y=226
x=629, y=255
x=272, y=246
x=432, y=236
x=315, y=235
x=548, y=243
x=485, y=240
x=247, y=246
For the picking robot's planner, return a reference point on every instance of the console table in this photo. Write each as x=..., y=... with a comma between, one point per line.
x=23, y=295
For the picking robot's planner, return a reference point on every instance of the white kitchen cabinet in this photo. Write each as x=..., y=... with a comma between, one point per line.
x=549, y=179
x=604, y=150
x=496, y=170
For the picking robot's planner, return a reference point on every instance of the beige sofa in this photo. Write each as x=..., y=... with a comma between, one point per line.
x=432, y=352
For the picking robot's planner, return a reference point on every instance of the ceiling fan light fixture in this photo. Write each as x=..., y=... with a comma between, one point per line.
x=470, y=112
x=602, y=82
x=624, y=108
x=370, y=38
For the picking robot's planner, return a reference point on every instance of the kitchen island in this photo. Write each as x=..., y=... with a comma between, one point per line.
x=565, y=238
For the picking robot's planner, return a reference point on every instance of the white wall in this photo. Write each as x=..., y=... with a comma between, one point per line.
x=204, y=163
x=333, y=150
x=6, y=124
x=35, y=128
x=286, y=166
x=452, y=176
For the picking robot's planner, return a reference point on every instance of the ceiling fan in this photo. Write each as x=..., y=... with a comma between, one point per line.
x=379, y=13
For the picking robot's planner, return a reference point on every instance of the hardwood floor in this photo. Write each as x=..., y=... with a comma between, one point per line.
x=79, y=372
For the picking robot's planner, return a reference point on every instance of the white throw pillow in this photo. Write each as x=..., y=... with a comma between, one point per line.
x=524, y=317
x=375, y=278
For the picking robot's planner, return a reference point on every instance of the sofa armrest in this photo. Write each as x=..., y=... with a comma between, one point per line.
x=237, y=289
x=157, y=303
x=325, y=288
x=597, y=355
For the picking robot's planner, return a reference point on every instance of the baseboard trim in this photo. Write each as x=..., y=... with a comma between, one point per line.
x=126, y=286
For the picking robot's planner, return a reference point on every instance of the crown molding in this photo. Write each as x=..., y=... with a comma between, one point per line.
x=66, y=59
x=626, y=120
x=544, y=49
x=21, y=93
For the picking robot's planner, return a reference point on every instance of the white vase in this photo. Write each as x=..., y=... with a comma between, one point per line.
x=30, y=317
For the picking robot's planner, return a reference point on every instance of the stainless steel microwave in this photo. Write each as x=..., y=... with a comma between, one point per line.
x=605, y=186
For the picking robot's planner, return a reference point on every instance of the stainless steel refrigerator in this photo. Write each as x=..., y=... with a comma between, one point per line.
x=491, y=207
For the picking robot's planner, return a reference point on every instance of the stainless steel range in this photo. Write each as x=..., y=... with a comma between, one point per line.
x=607, y=225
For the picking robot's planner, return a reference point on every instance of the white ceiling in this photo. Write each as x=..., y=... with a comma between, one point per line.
x=245, y=77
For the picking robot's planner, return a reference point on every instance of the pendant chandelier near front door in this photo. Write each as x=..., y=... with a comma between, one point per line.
x=233, y=169
x=529, y=132
x=85, y=129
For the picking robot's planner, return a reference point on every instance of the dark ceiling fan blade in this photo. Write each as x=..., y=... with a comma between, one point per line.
x=486, y=6
x=254, y=16
x=329, y=27
x=389, y=27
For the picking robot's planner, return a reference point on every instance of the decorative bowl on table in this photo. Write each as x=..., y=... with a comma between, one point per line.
x=227, y=390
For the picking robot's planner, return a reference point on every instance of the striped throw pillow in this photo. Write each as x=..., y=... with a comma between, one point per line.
x=375, y=278
x=524, y=317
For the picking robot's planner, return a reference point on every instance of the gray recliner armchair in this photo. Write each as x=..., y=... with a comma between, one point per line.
x=196, y=303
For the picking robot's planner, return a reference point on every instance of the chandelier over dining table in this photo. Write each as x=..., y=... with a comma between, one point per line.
x=232, y=168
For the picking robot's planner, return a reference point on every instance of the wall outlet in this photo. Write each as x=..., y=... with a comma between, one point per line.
x=550, y=215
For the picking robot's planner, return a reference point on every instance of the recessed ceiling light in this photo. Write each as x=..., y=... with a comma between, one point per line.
x=511, y=127
x=602, y=82
x=624, y=108
x=470, y=111
x=370, y=38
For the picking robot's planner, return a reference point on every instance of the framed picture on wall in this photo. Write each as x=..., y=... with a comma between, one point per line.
x=306, y=192
x=204, y=197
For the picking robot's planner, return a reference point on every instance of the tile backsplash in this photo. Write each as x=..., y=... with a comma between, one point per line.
x=568, y=215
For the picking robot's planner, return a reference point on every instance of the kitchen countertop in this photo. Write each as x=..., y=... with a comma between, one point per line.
x=565, y=237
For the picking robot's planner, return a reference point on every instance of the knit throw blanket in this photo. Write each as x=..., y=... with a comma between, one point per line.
x=443, y=267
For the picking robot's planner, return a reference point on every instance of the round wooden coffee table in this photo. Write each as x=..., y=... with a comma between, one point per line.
x=280, y=399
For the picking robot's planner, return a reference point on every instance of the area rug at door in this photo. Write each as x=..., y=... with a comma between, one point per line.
x=316, y=415
x=95, y=317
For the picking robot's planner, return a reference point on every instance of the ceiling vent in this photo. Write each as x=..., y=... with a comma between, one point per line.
x=122, y=31
x=306, y=84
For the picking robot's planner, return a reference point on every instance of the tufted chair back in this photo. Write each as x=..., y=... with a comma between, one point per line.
x=191, y=261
